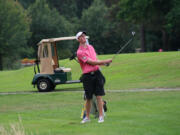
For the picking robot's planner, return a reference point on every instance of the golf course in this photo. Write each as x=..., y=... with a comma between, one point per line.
x=132, y=109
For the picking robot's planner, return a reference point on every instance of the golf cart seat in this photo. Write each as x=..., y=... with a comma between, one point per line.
x=62, y=69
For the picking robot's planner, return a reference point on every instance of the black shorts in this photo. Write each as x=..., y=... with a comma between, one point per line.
x=93, y=83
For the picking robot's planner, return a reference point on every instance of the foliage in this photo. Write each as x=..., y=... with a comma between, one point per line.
x=173, y=25
x=93, y=21
x=108, y=23
x=64, y=53
x=152, y=14
x=173, y=17
x=102, y=36
x=26, y=3
x=67, y=8
x=14, y=31
x=46, y=23
x=135, y=11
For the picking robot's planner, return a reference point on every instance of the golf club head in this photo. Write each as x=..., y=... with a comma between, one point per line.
x=133, y=33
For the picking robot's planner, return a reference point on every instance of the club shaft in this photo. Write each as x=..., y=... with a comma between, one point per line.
x=120, y=50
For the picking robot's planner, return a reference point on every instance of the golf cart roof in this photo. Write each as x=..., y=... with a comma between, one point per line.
x=50, y=40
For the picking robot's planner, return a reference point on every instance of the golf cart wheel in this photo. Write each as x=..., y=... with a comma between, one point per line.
x=52, y=87
x=44, y=85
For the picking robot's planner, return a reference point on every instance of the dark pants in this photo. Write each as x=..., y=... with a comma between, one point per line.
x=93, y=83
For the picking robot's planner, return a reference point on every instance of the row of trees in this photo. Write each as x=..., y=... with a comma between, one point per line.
x=153, y=16
x=108, y=23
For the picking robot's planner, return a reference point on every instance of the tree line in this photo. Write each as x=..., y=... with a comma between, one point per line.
x=108, y=23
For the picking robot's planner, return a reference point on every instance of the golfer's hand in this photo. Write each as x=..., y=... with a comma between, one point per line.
x=108, y=62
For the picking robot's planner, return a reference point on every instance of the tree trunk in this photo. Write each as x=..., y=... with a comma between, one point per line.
x=164, y=40
x=142, y=37
x=1, y=62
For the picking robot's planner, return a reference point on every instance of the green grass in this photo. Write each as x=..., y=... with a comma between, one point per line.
x=58, y=113
x=128, y=71
x=129, y=113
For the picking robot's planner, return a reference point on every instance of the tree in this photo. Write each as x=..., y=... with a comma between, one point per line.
x=94, y=20
x=25, y=3
x=150, y=15
x=138, y=12
x=14, y=31
x=173, y=25
x=67, y=8
x=46, y=23
x=82, y=5
x=158, y=19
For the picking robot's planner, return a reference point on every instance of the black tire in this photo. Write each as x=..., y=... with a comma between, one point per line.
x=52, y=87
x=44, y=85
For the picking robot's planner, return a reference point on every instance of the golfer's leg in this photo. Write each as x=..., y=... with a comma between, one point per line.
x=88, y=107
x=100, y=105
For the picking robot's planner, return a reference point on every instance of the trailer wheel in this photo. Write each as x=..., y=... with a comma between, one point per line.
x=44, y=85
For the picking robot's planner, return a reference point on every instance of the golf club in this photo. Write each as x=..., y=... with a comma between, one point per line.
x=120, y=50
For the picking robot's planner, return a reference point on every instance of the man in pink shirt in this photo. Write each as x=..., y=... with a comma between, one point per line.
x=93, y=80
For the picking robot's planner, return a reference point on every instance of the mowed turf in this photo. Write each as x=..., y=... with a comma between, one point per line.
x=58, y=113
x=129, y=113
x=128, y=71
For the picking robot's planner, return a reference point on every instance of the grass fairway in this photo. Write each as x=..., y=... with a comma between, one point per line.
x=58, y=113
x=128, y=71
x=129, y=113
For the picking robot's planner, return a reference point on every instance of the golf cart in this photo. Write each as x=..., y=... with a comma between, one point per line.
x=50, y=73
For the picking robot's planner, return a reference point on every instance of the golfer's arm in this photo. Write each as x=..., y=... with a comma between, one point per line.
x=98, y=62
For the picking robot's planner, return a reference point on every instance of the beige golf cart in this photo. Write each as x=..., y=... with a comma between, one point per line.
x=50, y=72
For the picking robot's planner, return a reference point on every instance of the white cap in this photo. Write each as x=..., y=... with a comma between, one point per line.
x=79, y=34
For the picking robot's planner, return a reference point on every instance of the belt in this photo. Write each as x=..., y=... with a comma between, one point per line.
x=92, y=73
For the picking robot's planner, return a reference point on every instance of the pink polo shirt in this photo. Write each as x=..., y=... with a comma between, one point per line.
x=84, y=54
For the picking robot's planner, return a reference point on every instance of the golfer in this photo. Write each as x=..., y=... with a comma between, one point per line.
x=93, y=80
